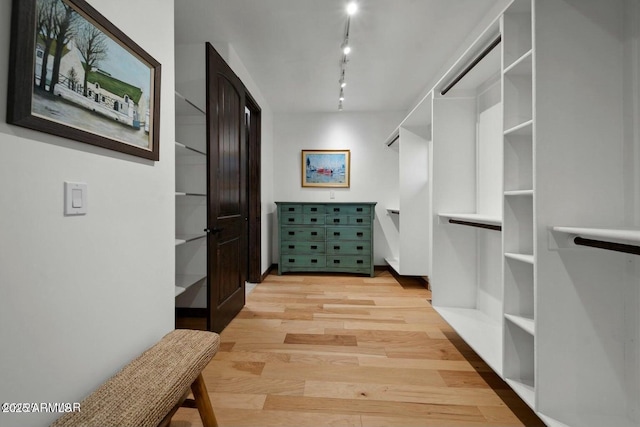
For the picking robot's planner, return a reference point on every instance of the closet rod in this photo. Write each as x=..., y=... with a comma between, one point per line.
x=473, y=63
x=618, y=247
x=476, y=224
x=393, y=140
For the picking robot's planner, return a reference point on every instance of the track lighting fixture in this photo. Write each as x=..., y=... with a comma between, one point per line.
x=352, y=8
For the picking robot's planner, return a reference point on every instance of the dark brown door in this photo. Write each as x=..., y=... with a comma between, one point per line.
x=227, y=221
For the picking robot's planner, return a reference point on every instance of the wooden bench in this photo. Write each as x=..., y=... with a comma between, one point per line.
x=150, y=389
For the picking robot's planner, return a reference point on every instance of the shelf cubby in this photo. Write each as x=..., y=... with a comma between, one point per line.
x=519, y=357
x=518, y=158
x=517, y=31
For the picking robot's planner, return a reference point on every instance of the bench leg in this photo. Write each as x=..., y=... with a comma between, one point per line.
x=201, y=396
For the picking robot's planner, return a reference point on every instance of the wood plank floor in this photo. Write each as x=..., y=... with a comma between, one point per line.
x=319, y=350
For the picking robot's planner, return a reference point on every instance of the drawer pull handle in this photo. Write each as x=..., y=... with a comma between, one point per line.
x=291, y=219
x=292, y=246
x=314, y=209
x=359, y=210
x=336, y=219
x=359, y=261
x=336, y=233
x=314, y=247
x=292, y=209
x=292, y=260
x=359, y=248
x=336, y=261
x=314, y=219
x=292, y=233
x=336, y=247
x=314, y=233
x=359, y=220
x=336, y=209
x=314, y=261
x=360, y=234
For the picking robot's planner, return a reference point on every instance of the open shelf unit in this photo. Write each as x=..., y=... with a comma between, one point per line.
x=518, y=202
x=519, y=266
x=467, y=200
x=411, y=141
x=191, y=203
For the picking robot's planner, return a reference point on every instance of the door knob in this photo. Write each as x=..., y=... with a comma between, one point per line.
x=213, y=230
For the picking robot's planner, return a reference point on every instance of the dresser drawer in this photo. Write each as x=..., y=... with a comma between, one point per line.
x=337, y=219
x=293, y=260
x=349, y=210
x=348, y=261
x=315, y=234
x=359, y=220
x=301, y=247
x=348, y=247
x=348, y=233
x=293, y=209
x=313, y=209
x=297, y=219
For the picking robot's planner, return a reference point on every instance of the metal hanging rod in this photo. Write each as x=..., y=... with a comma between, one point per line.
x=476, y=224
x=473, y=63
x=617, y=247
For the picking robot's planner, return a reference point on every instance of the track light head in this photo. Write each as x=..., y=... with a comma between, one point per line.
x=352, y=7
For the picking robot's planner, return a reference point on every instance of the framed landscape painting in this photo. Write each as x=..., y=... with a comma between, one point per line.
x=326, y=168
x=74, y=74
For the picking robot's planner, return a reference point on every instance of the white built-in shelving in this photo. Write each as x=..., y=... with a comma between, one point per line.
x=467, y=200
x=410, y=143
x=519, y=266
x=191, y=201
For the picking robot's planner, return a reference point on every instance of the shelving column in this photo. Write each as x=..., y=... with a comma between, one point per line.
x=191, y=205
x=519, y=199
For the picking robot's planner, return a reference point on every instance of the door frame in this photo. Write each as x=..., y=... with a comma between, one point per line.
x=254, y=201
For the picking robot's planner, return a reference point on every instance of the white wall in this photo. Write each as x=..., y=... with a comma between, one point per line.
x=374, y=167
x=82, y=296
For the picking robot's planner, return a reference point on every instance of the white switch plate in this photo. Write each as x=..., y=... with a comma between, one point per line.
x=75, y=198
x=332, y=194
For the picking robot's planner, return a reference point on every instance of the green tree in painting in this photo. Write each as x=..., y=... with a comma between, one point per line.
x=92, y=45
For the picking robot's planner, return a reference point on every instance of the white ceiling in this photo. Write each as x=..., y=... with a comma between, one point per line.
x=291, y=48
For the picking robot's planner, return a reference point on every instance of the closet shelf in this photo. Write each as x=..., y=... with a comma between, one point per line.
x=522, y=129
x=520, y=257
x=184, y=238
x=472, y=220
x=183, y=150
x=521, y=66
x=393, y=263
x=394, y=211
x=519, y=193
x=185, y=281
x=523, y=388
x=481, y=332
x=526, y=323
x=184, y=107
x=625, y=240
x=180, y=193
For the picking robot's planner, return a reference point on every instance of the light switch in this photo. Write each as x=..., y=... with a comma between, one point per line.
x=75, y=198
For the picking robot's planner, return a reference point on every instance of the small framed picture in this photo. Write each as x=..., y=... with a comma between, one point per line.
x=76, y=75
x=326, y=168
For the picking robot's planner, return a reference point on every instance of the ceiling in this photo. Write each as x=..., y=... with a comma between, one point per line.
x=291, y=48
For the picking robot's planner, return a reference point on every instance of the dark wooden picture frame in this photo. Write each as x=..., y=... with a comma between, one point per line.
x=106, y=89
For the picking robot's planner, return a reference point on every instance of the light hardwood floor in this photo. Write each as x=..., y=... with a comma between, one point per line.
x=319, y=350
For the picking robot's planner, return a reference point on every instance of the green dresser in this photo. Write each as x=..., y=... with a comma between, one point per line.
x=329, y=237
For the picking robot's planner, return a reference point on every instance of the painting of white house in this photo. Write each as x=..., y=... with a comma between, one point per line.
x=85, y=79
x=325, y=168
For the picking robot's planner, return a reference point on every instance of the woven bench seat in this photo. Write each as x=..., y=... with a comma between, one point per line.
x=150, y=389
